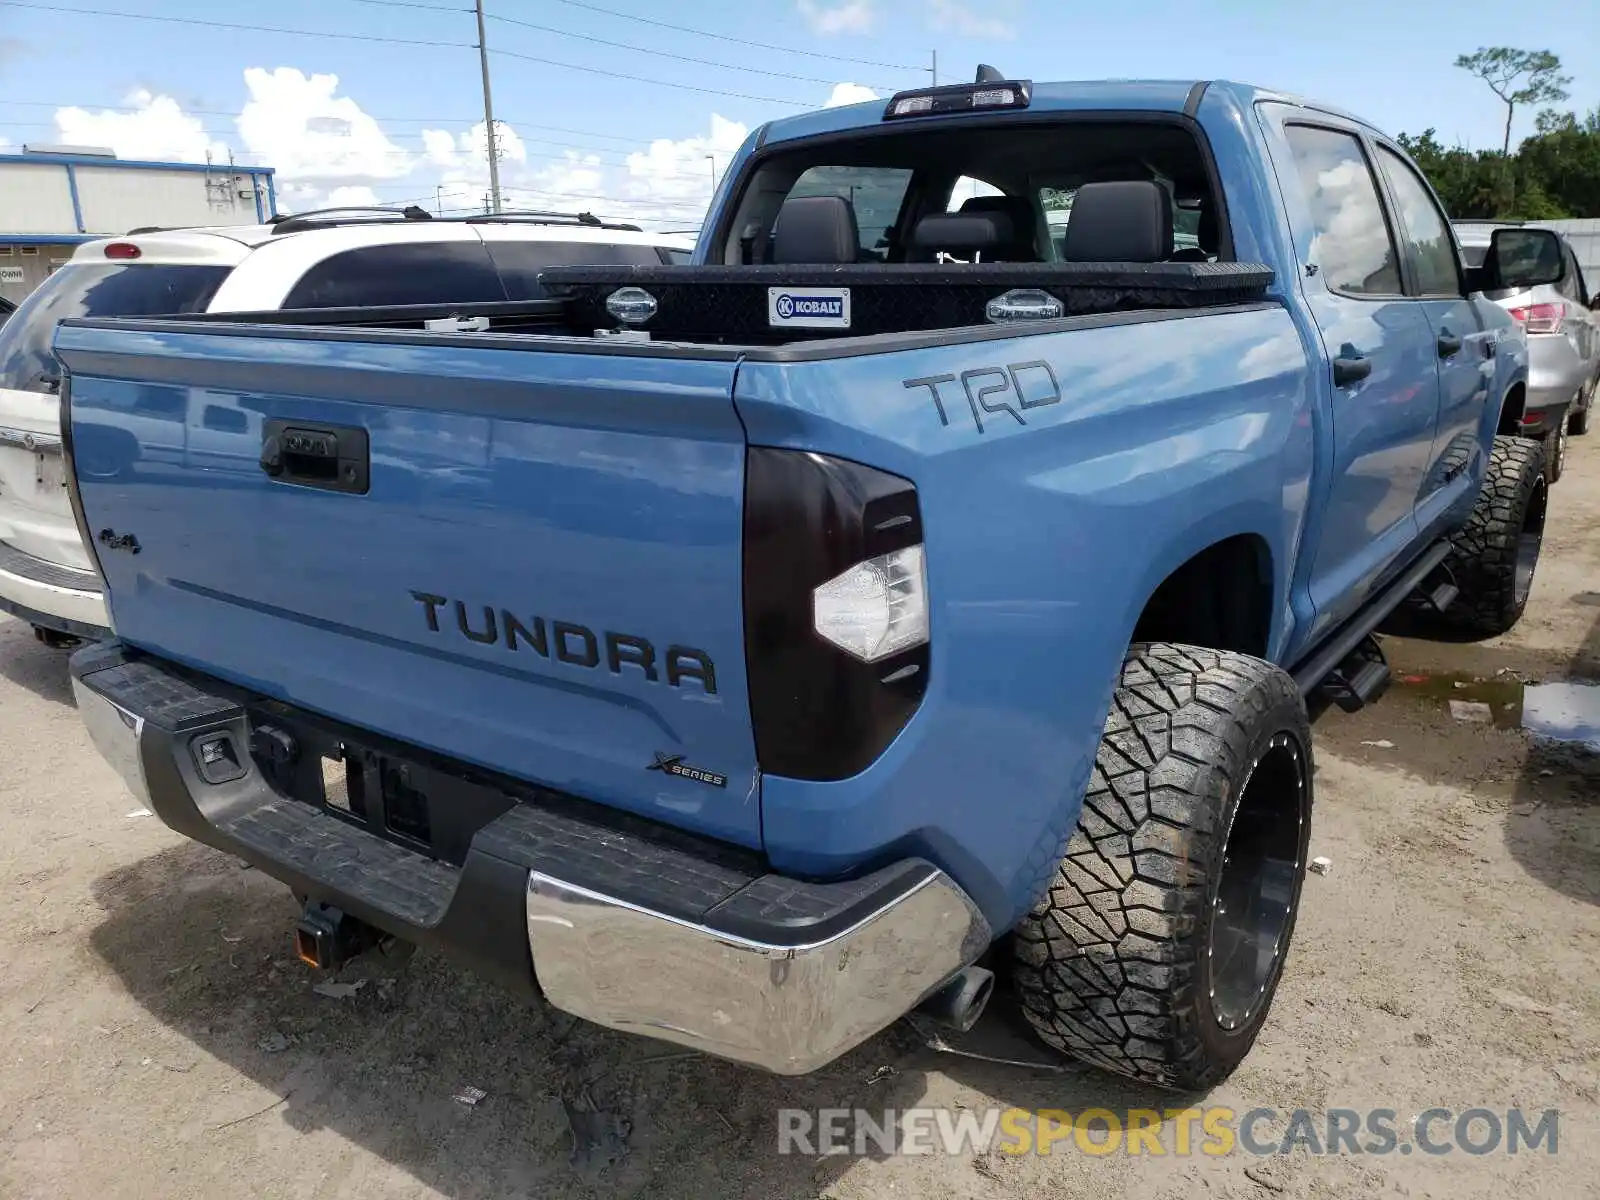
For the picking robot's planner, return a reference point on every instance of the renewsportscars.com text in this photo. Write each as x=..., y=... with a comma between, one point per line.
x=1179, y=1132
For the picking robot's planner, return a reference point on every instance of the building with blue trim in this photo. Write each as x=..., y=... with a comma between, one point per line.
x=54, y=197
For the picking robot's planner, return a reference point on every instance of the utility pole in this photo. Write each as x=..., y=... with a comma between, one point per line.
x=935, y=63
x=488, y=112
x=712, y=159
x=438, y=199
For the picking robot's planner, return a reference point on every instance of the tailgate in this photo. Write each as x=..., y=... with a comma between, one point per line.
x=541, y=575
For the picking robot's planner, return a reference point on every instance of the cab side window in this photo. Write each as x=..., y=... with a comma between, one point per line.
x=1352, y=246
x=1422, y=226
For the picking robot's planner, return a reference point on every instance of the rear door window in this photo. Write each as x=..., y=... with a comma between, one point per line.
x=94, y=290
x=404, y=273
x=1352, y=243
x=519, y=263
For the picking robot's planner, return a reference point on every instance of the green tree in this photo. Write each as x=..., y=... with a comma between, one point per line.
x=1517, y=77
x=1563, y=163
x=1468, y=184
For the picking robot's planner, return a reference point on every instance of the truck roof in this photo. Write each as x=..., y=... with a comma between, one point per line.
x=1125, y=95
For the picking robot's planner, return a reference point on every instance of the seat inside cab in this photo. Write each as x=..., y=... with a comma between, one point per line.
x=1013, y=192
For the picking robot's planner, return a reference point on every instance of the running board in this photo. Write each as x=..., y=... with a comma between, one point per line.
x=1360, y=679
x=1331, y=654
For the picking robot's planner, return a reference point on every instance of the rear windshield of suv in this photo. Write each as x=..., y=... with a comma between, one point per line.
x=94, y=290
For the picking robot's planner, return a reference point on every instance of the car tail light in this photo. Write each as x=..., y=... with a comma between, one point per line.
x=122, y=250
x=877, y=608
x=836, y=611
x=1540, y=318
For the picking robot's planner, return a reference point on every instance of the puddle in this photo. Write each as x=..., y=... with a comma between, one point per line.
x=1563, y=712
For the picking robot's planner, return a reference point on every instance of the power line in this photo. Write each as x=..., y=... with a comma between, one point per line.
x=685, y=87
x=704, y=62
x=862, y=62
x=441, y=8
x=317, y=33
x=393, y=120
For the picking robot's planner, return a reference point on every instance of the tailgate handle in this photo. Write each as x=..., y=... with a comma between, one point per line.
x=334, y=458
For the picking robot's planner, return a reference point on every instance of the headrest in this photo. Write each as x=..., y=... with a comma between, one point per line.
x=816, y=229
x=1124, y=221
x=963, y=232
x=1018, y=208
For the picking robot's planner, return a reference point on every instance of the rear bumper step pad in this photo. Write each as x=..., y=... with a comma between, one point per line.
x=630, y=926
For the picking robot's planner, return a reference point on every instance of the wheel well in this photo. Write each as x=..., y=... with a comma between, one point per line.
x=1512, y=409
x=1221, y=599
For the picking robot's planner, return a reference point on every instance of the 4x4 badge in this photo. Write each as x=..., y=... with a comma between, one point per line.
x=673, y=764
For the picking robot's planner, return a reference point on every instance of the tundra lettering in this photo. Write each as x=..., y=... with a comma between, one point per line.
x=577, y=645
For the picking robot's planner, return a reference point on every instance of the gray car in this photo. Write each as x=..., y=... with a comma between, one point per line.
x=1563, y=344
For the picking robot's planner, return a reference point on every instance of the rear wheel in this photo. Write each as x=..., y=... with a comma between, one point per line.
x=1159, y=946
x=1494, y=557
x=1578, y=419
x=1555, y=452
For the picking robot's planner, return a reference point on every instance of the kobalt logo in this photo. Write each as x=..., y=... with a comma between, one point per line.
x=810, y=306
x=813, y=308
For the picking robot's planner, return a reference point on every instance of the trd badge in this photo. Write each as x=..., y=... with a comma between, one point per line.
x=673, y=764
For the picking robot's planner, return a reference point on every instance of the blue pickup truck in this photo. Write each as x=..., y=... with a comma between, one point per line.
x=908, y=592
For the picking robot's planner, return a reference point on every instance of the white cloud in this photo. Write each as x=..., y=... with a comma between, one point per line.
x=299, y=125
x=849, y=93
x=157, y=129
x=844, y=16
x=958, y=17
x=356, y=196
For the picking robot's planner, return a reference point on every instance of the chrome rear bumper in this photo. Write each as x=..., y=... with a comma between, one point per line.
x=778, y=973
x=787, y=1008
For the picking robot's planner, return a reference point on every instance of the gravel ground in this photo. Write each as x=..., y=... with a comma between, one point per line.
x=159, y=1039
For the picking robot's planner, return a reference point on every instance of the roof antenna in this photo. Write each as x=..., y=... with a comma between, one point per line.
x=988, y=74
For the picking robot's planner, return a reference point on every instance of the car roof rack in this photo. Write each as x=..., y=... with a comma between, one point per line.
x=543, y=217
x=322, y=218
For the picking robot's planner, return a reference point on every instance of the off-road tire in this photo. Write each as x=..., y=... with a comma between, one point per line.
x=1485, y=555
x=1555, y=453
x=1113, y=965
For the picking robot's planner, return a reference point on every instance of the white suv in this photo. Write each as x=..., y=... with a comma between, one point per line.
x=333, y=259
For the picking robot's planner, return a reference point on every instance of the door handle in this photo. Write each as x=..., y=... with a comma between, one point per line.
x=1350, y=367
x=332, y=457
x=1449, y=344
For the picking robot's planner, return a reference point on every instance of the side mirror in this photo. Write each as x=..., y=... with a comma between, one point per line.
x=1523, y=258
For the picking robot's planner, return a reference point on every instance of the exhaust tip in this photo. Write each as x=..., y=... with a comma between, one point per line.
x=960, y=1001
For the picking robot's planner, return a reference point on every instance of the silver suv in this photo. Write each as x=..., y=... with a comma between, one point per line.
x=1563, y=344
x=332, y=259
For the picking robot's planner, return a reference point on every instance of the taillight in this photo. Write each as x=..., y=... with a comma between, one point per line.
x=1540, y=318
x=123, y=250
x=836, y=611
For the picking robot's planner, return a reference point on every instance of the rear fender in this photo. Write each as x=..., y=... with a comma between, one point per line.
x=1061, y=476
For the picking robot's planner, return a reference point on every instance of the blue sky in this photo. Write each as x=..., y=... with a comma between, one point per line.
x=399, y=122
